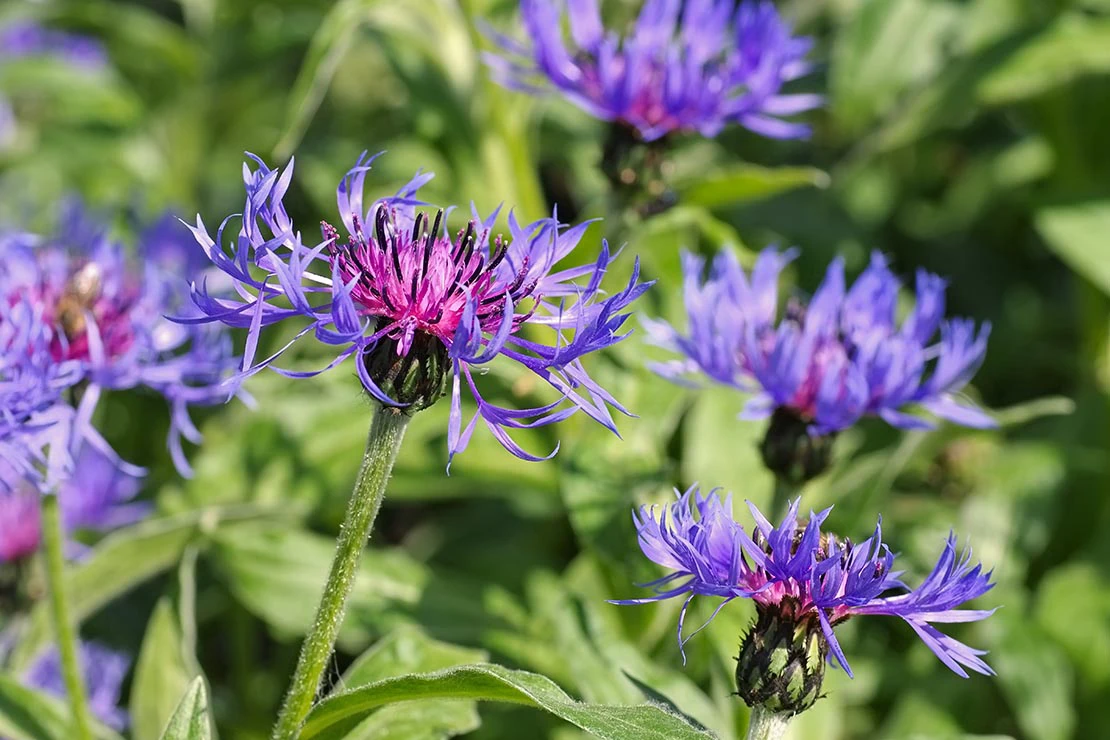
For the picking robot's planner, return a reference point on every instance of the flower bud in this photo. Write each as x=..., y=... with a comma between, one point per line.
x=792, y=452
x=782, y=660
x=417, y=378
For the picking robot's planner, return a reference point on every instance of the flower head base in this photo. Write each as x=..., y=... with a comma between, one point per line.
x=834, y=360
x=415, y=304
x=101, y=320
x=807, y=578
x=104, y=670
x=782, y=659
x=693, y=66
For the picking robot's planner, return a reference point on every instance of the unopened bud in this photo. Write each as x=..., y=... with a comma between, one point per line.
x=782, y=660
x=417, y=378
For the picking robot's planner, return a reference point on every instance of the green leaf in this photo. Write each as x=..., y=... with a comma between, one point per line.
x=26, y=714
x=330, y=43
x=1035, y=678
x=883, y=50
x=486, y=682
x=408, y=650
x=190, y=719
x=746, y=183
x=1076, y=232
x=1071, y=47
x=279, y=573
x=162, y=674
x=123, y=560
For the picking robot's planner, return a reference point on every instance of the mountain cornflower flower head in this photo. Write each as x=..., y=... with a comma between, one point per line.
x=693, y=66
x=106, y=315
x=823, y=364
x=104, y=670
x=420, y=307
x=804, y=582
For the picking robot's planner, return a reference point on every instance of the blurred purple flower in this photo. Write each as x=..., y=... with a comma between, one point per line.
x=106, y=316
x=401, y=285
x=104, y=670
x=27, y=38
x=97, y=495
x=698, y=65
x=806, y=574
x=833, y=360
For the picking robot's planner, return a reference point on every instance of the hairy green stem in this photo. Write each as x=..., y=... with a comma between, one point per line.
x=65, y=633
x=767, y=725
x=382, y=445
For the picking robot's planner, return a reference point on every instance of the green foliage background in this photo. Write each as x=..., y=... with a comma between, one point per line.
x=965, y=137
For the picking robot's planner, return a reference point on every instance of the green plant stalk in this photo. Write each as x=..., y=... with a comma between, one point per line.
x=767, y=725
x=64, y=629
x=382, y=444
x=784, y=492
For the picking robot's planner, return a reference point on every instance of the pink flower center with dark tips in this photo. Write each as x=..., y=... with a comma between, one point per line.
x=421, y=281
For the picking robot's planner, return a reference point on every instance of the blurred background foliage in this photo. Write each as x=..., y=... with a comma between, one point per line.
x=964, y=137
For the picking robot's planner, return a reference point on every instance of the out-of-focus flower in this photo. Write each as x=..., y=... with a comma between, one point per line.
x=693, y=66
x=810, y=580
x=416, y=305
x=27, y=38
x=825, y=364
x=106, y=315
x=96, y=495
x=104, y=670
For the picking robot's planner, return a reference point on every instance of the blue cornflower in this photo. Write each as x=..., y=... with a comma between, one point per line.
x=831, y=361
x=414, y=304
x=804, y=577
x=104, y=670
x=105, y=315
x=693, y=66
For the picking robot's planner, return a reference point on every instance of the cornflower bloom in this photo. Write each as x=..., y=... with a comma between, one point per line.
x=415, y=304
x=106, y=315
x=826, y=363
x=804, y=583
x=693, y=66
x=36, y=427
x=104, y=670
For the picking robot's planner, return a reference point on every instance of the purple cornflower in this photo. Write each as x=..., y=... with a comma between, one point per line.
x=106, y=316
x=804, y=576
x=28, y=39
x=400, y=291
x=36, y=428
x=831, y=361
x=698, y=65
x=104, y=670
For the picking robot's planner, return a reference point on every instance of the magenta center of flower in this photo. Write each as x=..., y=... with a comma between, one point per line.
x=421, y=281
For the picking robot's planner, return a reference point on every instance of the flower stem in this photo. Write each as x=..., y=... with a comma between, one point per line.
x=64, y=632
x=767, y=725
x=382, y=445
x=785, y=491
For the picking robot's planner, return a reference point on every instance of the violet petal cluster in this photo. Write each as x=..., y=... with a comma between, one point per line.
x=830, y=361
x=400, y=280
x=697, y=65
x=104, y=670
x=26, y=38
x=97, y=321
x=807, y=573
